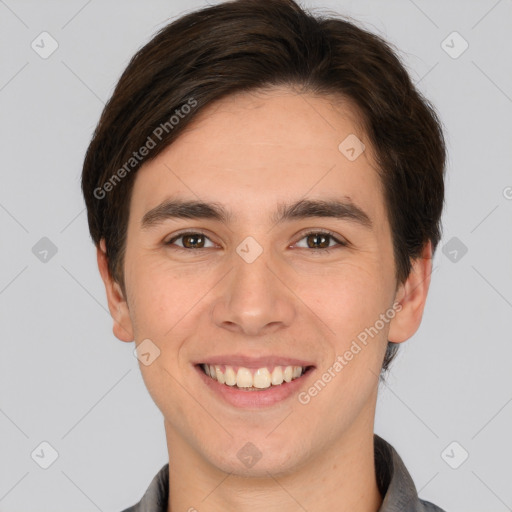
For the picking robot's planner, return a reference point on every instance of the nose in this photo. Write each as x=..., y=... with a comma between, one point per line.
x=255, y=299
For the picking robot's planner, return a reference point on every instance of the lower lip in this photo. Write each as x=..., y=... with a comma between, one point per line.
x=255, y=399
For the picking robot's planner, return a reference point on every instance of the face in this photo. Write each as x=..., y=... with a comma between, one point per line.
x=288, y=263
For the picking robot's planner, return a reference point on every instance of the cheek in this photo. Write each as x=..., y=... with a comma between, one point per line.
x=164, y=296
x=347, y=299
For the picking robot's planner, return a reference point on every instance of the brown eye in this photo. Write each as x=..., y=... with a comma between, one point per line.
x=318, y=240
x=189, y=241
x=193, y=241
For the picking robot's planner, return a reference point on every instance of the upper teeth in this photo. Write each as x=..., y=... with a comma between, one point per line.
x=245, y=378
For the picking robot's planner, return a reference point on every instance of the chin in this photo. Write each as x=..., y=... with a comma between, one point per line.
x=256, y=459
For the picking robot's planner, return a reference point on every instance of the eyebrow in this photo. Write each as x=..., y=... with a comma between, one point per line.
x=302, y=209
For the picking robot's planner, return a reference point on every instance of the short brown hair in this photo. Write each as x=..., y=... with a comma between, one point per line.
x=245, y=45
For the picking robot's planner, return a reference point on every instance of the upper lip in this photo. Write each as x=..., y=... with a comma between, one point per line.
x=254, y=362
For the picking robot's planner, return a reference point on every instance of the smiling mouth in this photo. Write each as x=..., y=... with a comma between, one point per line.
x=247, y=379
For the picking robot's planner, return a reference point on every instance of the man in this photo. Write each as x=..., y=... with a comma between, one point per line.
x=264, y=190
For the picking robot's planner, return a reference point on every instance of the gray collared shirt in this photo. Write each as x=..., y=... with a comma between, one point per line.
x=394, y=481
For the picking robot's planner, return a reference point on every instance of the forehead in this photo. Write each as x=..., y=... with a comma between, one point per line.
x=264, y=147
x=271, y=123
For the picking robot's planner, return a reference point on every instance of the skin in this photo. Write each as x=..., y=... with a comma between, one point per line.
x=291, y=301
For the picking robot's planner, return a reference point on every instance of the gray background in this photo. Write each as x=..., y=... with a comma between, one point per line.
x=66, y=380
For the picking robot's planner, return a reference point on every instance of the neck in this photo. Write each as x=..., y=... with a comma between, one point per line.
x=340, y=478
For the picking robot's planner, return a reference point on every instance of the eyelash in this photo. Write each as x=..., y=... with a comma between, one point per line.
x=324, y=250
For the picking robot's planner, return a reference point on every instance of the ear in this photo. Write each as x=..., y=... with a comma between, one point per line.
x=412, y=296
x=117, y=304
